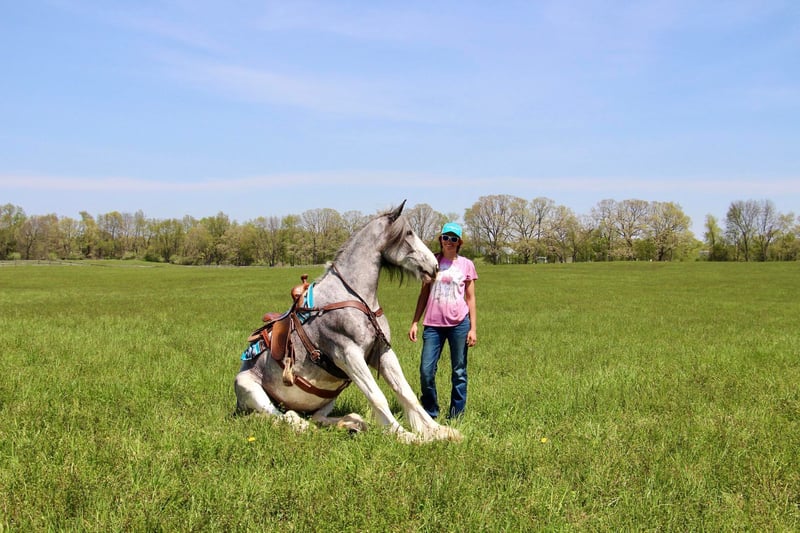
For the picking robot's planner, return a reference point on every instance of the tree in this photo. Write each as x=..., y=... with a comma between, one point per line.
x=490, y=221
x=88, y=235
x=140, y=236
x=110, y=226
x=522, y=229
x=326, y=232
x=352, y=221
x=238, y=245
x=629, y=220
x=426, y=222
x=542, y=211
x=603, y=227
x=715, y=240
x=68, y=232
x=498, y=226
x=767, y=227
x=668, y=227
x=740, y=226
x=290, y=227
x=37, y=236
x=269, y=240
x=11, y=219
x=166, y=241
x=30, y=233
x=787, y=244
x=563, y=233
x=198, y=246
x=216, y=226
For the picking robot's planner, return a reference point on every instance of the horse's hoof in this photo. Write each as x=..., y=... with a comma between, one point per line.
x=454, y=435
x=447, y=433
x=406, y=437
x=353, y=423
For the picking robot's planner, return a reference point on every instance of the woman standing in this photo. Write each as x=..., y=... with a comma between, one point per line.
x=450, y=315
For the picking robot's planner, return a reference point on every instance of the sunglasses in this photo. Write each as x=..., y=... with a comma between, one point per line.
x=450, y=238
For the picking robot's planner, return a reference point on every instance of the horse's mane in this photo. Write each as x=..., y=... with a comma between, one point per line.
x=394, y=271
x=396, y=233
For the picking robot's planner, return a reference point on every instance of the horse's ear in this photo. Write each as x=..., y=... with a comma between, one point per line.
x=396, y=213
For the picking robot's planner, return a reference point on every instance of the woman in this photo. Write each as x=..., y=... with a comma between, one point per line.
x=449, y=306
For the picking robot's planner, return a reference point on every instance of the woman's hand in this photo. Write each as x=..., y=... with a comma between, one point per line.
x=412, y=333
x=472, y=337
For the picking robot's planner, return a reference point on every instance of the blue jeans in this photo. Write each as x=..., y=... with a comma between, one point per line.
x=433, y=339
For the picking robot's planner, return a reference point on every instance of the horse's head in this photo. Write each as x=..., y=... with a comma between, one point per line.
x=404, y=249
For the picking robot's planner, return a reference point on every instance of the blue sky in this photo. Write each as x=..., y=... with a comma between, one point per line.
x=271, y=108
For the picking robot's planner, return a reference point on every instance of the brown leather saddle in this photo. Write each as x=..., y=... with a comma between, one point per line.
x=277, y=327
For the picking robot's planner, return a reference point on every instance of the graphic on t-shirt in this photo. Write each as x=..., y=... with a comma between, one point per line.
x=447, y=284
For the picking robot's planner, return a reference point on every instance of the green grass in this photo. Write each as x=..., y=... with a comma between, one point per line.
x=602, y=397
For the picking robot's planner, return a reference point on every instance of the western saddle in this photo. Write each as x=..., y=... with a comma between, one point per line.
x=276, y=329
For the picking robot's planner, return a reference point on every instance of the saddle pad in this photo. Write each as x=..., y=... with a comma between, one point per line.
x=308, y=303
x=254, y=350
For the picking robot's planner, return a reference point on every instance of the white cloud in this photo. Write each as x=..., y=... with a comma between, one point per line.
x=748, y=187
x=340, y=95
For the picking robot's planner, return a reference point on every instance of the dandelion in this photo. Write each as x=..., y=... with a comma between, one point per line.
x=251, y=439
x=543, y=440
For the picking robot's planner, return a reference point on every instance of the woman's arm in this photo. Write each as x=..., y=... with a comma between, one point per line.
x=469, y=296
x=422, y=301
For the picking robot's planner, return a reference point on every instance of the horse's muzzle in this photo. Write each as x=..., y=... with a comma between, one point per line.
x=427, y=277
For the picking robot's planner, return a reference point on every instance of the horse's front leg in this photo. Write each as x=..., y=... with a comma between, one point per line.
x=352, y=422
x=418, y=419
x=355, y=366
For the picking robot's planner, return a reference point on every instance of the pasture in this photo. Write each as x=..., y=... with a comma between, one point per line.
x=620, y=396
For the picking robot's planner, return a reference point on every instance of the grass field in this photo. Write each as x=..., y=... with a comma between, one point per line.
x=621, y=396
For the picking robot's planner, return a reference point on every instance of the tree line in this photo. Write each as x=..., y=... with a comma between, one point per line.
x=499, y=228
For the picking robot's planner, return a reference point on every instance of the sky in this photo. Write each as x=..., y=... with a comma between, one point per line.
x=271, y=108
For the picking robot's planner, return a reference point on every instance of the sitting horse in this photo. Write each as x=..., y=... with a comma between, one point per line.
x=300, y=362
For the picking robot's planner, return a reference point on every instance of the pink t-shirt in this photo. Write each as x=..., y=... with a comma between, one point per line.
x=446, y=305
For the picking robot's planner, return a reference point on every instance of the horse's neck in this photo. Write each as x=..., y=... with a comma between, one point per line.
x=361, y=273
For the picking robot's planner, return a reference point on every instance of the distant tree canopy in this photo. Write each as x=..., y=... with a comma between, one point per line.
x=499, y=228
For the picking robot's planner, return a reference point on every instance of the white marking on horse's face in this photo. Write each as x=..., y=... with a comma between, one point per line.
x=429, y=266
x=418, y=259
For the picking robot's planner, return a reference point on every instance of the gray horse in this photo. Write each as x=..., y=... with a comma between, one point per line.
x=340, y=336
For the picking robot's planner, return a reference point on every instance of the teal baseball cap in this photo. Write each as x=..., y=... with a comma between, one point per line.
x=452, y=227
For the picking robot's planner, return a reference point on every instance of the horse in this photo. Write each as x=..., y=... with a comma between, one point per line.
x=334, y=341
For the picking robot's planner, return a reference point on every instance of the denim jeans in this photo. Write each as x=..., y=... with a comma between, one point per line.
x=433, y=339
